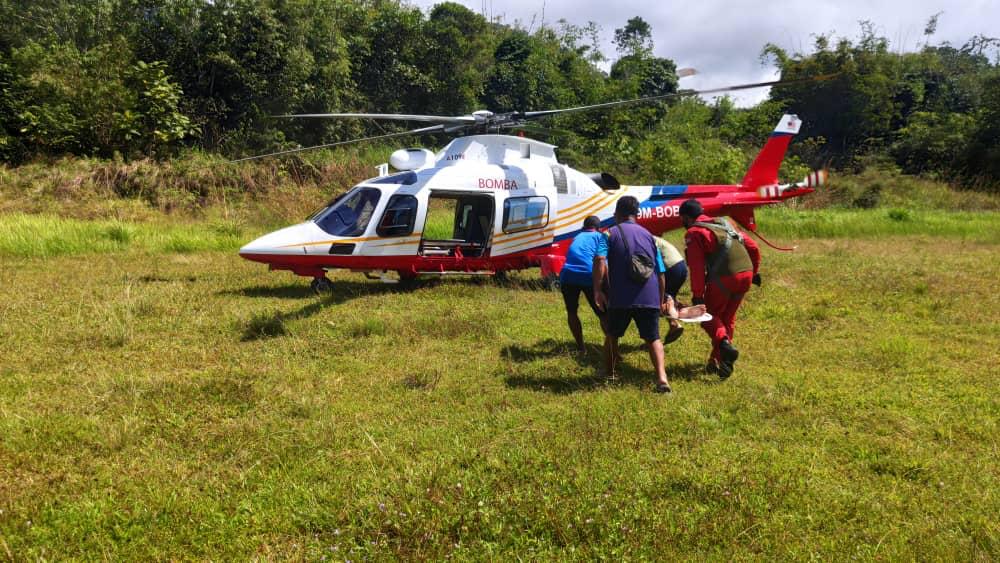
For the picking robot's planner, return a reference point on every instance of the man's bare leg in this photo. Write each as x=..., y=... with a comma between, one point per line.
x=656, y=355
x=671, y=308
x=673, y=312
x=604, y=327
x=610, y=356
x=577, y=329
x=672, y=316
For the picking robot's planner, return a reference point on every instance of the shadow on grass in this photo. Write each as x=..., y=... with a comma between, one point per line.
x=156, y=278
x=590, y=380
x=272, y=324
x=532, y=284
x=639, y=375
x=287, y=291
x=549, y=348
x=299, y=290
x=589, y=363
x=343, y=290
x=690, y=371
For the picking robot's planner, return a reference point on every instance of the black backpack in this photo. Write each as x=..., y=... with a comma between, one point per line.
x=640, y=266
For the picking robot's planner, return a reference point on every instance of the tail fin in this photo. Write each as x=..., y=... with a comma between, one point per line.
x=764, y=170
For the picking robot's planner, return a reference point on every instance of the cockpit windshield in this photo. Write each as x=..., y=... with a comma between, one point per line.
x=349, y=215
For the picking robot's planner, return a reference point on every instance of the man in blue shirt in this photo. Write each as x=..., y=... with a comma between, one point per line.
x=576, y=276
x=629, y=300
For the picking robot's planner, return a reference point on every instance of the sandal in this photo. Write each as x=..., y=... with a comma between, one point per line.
x=674, y=333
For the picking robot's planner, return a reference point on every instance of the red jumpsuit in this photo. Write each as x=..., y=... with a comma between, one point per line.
x=721, y=302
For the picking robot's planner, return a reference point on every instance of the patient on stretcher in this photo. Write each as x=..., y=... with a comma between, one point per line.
x=684, y=313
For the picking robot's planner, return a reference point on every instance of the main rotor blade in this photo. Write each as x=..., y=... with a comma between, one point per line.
x=546, y=113
x=431, y=129
x=535, y=129
x=463, y=119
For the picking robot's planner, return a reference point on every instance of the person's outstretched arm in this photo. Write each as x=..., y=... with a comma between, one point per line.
x=600, y=273
x=695, y=244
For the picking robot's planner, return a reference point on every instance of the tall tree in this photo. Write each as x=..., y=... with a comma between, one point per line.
x=458, y=59
x=635, y=39
x=856, y=109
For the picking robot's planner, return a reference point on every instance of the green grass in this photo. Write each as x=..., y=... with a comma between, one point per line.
x=34, y=235
x=195, y=406
x=874, y=223
x=162, y=399
x=439, y=224
x=40, y=235
x=881, y=186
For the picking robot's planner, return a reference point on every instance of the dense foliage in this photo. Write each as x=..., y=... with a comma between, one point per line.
x=932, y=111
x=137, y=78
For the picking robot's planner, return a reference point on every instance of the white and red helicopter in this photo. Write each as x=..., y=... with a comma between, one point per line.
x=491, y=203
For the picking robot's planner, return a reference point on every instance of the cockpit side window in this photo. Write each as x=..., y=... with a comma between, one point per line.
x=350, y=216
x=399, y=216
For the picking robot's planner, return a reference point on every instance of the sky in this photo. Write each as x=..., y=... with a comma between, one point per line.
x=723, y=39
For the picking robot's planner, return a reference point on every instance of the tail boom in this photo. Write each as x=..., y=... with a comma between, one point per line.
x=759, y=187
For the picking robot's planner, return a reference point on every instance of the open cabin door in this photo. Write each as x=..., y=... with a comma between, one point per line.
x=458, y=225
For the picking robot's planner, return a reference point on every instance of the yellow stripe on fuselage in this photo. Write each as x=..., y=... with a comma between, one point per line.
x=508, y=237
x=584, y=202
x=412, y=239
x=559, y=224
x=332, y=241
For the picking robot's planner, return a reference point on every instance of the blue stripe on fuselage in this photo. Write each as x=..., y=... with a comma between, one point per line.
x=659, y=196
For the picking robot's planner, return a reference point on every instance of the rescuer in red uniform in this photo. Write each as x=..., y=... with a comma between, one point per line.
x=723, y=262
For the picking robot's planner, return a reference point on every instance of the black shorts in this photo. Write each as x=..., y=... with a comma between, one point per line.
x=675, y=277
x=647, y=320
x=571, y=297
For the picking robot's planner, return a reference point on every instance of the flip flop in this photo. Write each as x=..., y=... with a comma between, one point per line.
x=673, y=334
x=662, y=388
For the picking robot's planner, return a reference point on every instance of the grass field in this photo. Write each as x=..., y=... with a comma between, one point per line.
x=161, y=402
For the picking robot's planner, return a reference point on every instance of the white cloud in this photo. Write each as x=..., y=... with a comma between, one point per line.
x=723, y=40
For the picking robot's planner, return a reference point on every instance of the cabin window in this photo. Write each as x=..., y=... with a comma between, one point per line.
x=399, y=216
x=350, y=215
x=523, y=213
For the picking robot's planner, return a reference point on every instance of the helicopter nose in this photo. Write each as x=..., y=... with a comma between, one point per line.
x=284, y=241
x=256, y=246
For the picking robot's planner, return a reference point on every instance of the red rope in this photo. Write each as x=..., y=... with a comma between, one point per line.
x=769, y=243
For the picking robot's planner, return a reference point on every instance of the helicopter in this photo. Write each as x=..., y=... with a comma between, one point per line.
x=489, y=203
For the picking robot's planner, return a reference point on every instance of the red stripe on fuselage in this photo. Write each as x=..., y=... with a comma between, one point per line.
x=308, y=265
x=716, y=200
